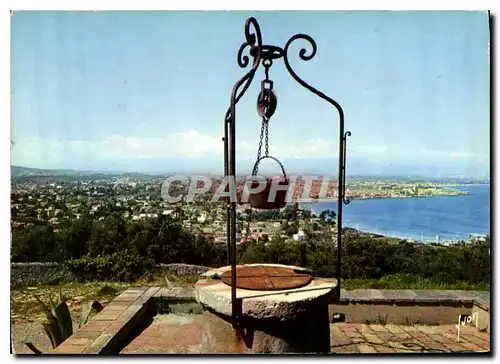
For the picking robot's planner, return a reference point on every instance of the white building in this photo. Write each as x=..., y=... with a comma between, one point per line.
x=299, y=236
x=202, y=218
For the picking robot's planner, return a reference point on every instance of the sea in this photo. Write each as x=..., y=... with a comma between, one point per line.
x=451, y=218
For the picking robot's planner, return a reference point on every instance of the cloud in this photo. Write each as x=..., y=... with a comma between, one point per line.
x=369, y=150
x=188, y=144
x=183, y=144
x=463, y=155
x=118, y=147
x=199, y=146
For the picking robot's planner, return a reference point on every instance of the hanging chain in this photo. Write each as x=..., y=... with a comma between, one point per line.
x=264, y=139
x=266, y=122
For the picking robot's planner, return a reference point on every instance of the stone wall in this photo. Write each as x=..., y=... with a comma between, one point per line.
x=53, y=273
x=39, y=273
x=180, y=269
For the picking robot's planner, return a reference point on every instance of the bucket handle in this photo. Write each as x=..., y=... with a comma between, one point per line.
x=256, y=165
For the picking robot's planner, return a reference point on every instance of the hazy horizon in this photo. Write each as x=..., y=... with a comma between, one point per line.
x=331, y=174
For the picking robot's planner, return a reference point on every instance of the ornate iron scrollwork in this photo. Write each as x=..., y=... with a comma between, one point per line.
x=266, y=107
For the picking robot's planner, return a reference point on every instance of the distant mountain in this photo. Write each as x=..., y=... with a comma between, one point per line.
x=18, y=171
x=320, y=168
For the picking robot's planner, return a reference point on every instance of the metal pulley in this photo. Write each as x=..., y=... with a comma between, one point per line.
x=267, y=100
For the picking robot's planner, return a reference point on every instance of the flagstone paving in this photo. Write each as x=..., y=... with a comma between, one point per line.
x=178, y=334
x=361, y=338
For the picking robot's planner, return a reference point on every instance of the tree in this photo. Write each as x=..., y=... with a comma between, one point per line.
x=328, y=216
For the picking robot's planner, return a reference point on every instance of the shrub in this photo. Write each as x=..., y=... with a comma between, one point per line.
x=124, y=265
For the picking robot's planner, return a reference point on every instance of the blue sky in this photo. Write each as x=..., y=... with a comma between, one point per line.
x=147, y=91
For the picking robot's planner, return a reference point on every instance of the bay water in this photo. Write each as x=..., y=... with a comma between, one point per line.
x=420, y=218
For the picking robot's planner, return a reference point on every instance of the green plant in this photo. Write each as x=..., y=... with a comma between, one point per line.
x=381, y=320
x=125, y=265
x=58, y=323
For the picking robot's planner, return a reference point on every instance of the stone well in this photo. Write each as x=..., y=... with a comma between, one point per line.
x=286, y=311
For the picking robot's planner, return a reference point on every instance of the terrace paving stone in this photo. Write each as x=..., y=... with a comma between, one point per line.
x=482, y=299
x=337, y=337
x=397, y=330
x=398, y=296
x=180, y=334
x=176, y=293
x=106, y=316
x=113, y=310
x=464, y=296
x=99, y=344
x=130, y=312
x=384, y=349
x=81, y=341
x=365, y=329
x=80, y=334
x=118, y=304
x=70, y=349
x=135, y=290
x=378, y=328
x=437, y=297
x=373, y=339
x=95, y=336
x=184, y=334
x=366, y=349
x=95, y=326
x=375, y=295
x=127, y=298
x=114, y=327
x=359, y=295
x=172, y=336
x=475, y=340
x=150, y=292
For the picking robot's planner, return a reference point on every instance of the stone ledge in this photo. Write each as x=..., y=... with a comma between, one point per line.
x=411, y=306
x=176, y=293
x=103, y=332
x=385, y=296
x=483, y=304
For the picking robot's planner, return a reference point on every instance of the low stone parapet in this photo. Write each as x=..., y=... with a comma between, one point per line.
x=36, y=273
x=411, y=306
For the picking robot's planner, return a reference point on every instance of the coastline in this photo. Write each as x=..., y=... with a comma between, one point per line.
x=410, y=219
x=425, y=240
x=350, y=198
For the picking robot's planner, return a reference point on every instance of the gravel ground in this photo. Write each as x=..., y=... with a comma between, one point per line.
x=29, y=332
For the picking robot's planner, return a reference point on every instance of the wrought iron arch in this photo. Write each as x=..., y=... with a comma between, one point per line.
x=265, y=55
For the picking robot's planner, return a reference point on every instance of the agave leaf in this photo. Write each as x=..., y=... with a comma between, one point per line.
x=86, y=309
x=46, y=310
x=33, y=348
x=53, y=332
x=62, y=298
x=64, y=320
x=54, y=308
x=52, y=303
x=49, y=332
